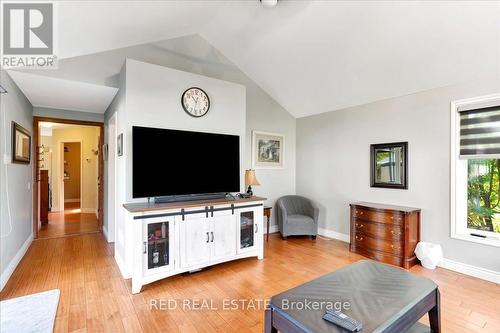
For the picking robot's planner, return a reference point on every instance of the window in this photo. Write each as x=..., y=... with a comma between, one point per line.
x=475, y=170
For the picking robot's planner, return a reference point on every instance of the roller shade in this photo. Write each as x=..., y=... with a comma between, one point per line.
x=480, y=133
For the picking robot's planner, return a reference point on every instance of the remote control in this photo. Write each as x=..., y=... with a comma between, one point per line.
x=342, y=320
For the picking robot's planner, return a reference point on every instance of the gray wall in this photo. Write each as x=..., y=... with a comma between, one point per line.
x=333, y=162
x=67, y=114
x=16, y=227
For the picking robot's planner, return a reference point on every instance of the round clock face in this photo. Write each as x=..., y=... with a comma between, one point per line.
x=195, y=102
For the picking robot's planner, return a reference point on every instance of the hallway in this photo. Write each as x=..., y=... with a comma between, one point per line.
x=69, y=222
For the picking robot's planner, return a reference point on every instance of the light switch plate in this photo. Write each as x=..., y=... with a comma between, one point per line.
x=6, y=159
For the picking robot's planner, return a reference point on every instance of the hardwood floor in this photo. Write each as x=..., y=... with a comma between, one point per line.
x=69, y=222
x=94, y=297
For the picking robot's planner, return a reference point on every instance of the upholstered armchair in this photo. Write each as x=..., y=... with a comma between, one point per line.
x=297, y=216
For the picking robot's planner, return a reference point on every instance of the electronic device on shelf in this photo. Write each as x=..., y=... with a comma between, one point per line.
x=244, y=195
x=340, y=319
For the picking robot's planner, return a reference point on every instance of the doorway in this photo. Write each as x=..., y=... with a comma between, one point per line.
x=68, y=192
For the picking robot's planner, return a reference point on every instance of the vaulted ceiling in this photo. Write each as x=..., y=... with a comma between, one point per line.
x=310, y=56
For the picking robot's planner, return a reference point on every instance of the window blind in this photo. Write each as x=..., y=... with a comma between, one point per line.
x=480, y=133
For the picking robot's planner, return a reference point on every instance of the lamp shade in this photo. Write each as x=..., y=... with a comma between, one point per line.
x=250, y=178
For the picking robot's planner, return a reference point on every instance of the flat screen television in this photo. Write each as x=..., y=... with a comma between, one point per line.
x=171, y=162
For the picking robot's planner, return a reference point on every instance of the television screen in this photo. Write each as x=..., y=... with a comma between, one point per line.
x=171, y=162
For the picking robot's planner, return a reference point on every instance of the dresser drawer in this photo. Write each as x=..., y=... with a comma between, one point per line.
x=379, y=230
x=380, y=256
x=363, y=240
x=376, y=216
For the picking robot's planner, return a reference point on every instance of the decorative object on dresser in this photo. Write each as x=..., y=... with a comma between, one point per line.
x=297, y=216
x=386, y=233
x=389, y=165
x=250, y=179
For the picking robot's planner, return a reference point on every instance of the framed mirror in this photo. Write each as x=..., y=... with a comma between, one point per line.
x=389, y=165
x=21, y=144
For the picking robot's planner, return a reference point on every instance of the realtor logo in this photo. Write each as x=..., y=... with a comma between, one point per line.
x=28, y=34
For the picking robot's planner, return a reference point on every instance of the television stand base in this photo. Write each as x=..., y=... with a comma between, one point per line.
x=196, y=197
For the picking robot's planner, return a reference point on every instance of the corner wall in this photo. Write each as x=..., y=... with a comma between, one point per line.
x=333, y=164
x=16, y=196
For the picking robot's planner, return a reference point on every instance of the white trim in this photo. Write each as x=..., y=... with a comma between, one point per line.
x=458, y=194
x=7, y=273
x=105, y=233
x=89, y=210
x=273, y=229
x=321, y=231
x=334, y=234
x=478, y=272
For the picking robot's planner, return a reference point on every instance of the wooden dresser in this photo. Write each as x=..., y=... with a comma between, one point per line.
x=385, y=233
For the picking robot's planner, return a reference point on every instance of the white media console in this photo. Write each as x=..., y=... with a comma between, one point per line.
x=156, y=241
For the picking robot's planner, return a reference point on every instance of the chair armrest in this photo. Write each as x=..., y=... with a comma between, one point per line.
x=282, y=213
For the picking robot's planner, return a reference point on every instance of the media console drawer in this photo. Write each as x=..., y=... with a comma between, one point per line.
x=385, y=233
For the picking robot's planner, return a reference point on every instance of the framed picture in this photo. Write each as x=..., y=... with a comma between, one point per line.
x=267, y=150
x=105, y=151
x=21, y=144
x=119, y=145
x=389, y=165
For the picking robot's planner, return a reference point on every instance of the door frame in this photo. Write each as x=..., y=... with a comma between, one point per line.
x=100, y=187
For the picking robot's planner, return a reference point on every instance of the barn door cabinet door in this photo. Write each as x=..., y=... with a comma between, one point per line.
x=158, y=245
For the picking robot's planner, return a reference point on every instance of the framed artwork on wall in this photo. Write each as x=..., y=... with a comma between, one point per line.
x=389, y=165
x=119, y=144
x=21, y=144
x=267, y=150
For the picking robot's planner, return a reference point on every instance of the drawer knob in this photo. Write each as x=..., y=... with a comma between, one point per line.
x=395, y=247
x=359, y=238
x=359, y=225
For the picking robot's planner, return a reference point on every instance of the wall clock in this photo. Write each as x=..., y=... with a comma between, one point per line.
x=195, y=102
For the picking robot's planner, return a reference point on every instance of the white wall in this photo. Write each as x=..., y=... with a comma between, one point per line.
x=16, y=226
x=195, y=55
x=333, y=162
x=153, y=100
x=67, y=114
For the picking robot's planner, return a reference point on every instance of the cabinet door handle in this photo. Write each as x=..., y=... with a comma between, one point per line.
x=256, y=228
x=145, y=248
x=208, y=237
x=212, y=236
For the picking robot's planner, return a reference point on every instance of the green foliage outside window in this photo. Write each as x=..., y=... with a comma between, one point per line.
x=483, y=195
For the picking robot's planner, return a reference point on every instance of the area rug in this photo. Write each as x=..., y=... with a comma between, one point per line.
x=31, y=313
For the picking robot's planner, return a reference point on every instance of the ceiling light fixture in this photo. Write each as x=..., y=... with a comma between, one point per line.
x=269, y=3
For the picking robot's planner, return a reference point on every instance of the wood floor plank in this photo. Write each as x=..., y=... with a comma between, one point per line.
x=94, y=297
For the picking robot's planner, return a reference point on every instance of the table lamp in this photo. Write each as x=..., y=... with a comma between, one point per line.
x=250, y=179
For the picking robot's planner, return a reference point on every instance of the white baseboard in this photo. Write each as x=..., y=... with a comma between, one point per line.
x=88, y=210
x=334, y=234
x=72, y=200
x=105, y=232
x=478, y=272
x=321, y=231
x=6, y=274
x=273, y=229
